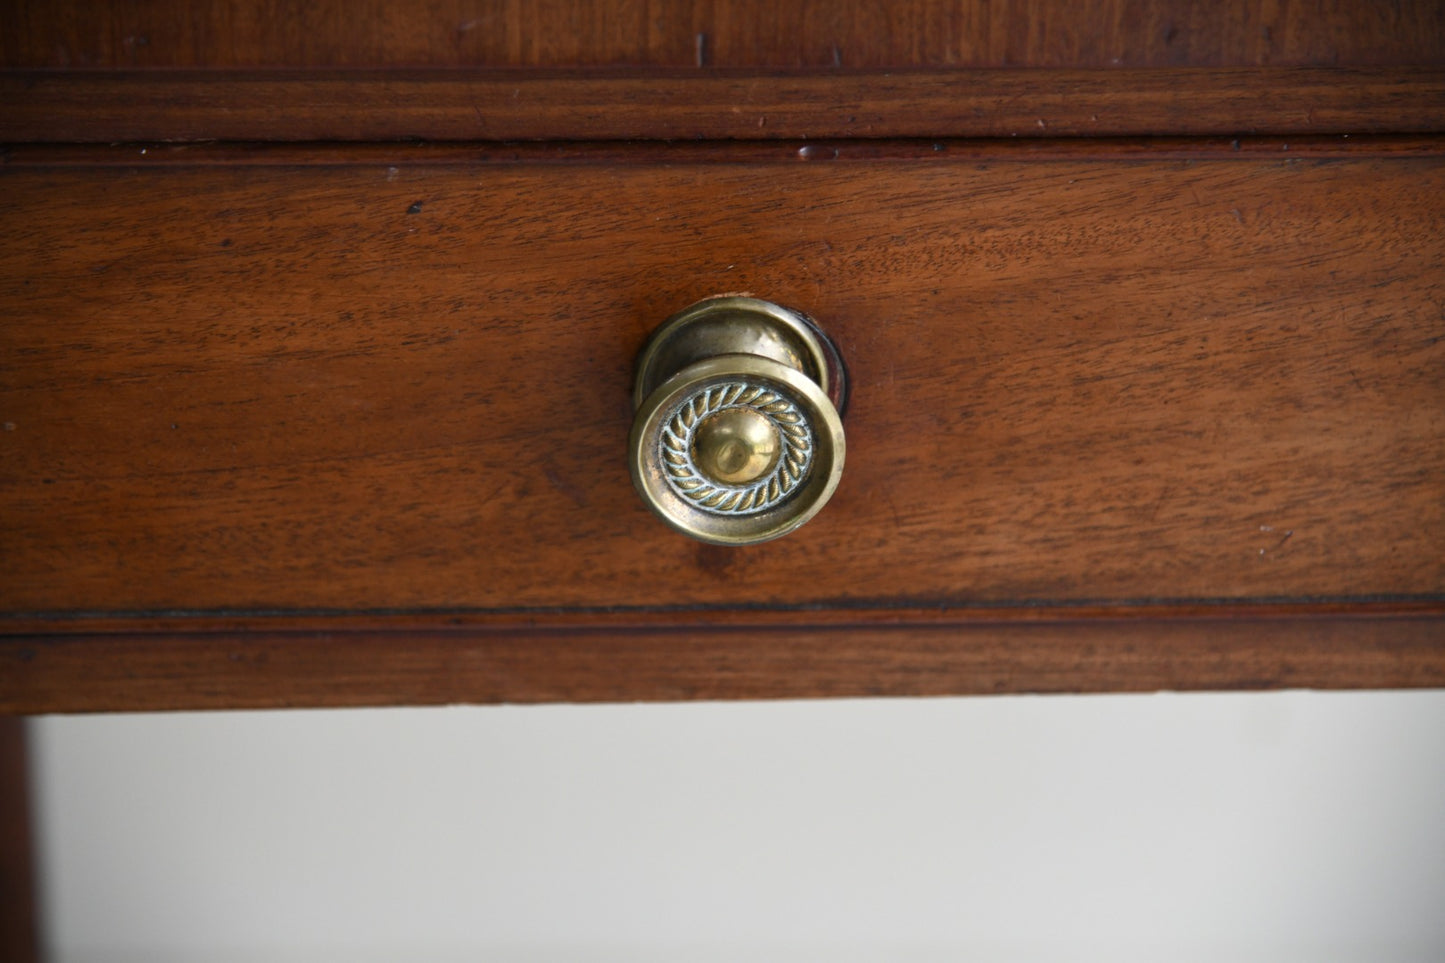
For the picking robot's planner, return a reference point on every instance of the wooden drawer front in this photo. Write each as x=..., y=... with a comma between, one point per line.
x=399, y=382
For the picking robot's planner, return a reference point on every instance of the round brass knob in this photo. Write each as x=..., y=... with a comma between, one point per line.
x=737, y=437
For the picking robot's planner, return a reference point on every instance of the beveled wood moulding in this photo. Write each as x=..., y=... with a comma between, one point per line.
x=657, y=659
x=352, y=105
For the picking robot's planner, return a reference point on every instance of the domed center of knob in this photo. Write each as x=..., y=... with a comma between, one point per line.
x=736, y=446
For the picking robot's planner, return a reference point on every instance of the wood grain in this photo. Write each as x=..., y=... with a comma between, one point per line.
x=93, y=34
x=98, y=107
x=438, y=665
x=331, y=389
x=345, y=423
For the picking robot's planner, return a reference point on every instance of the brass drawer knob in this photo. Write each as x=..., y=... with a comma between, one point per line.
x=737, y=437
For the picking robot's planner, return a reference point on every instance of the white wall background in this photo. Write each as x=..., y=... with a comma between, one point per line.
x=1288, y=826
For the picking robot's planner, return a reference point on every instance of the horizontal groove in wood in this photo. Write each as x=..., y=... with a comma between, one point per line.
x=846, y=614
x=92, y=106
x=817, y=151
x=257, y=669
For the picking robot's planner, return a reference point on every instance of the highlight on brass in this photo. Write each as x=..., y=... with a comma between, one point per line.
x=737, y=437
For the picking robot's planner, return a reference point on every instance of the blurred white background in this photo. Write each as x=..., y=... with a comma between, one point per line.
x=1286, y=826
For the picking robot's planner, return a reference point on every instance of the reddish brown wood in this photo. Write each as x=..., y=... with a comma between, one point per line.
x=19, y=938
x=352, y=106
x=261, y=669
x=343, y=424
x=260, y=388
x=740, y=33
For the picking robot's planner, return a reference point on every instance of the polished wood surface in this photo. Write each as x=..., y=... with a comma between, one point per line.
x=491, y=106
x=1140, y=301
x=251, y=388
x=91, y=34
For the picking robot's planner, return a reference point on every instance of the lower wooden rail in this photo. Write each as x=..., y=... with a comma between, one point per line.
x=404, y=660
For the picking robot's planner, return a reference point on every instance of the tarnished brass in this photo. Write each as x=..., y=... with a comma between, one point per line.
x=737, y=437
